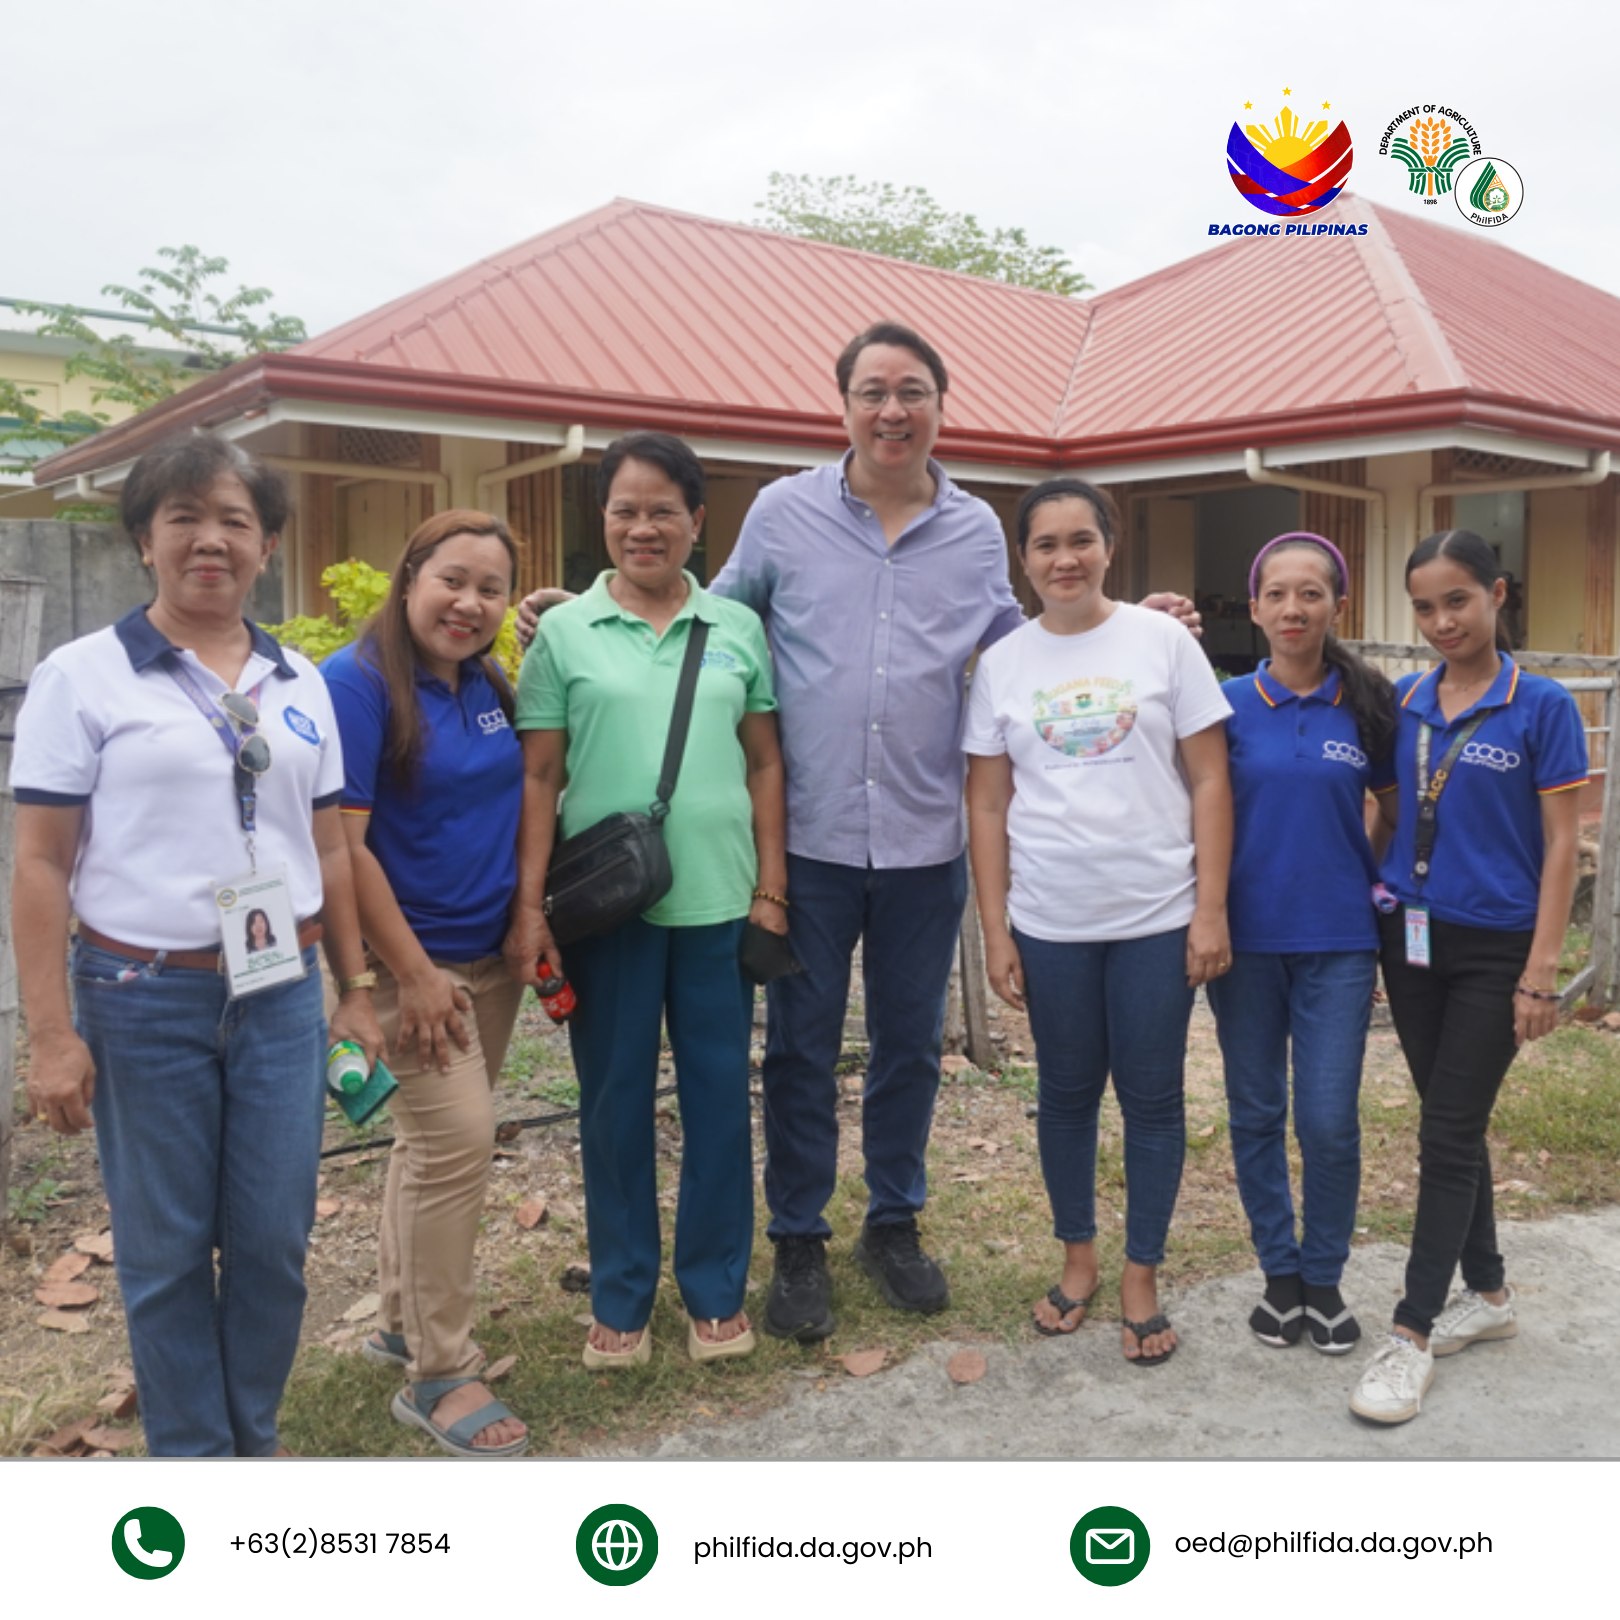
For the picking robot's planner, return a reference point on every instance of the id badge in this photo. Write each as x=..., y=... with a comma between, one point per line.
x=258, y=931
x=1417, y=936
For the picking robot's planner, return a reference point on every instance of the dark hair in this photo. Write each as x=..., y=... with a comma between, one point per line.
x=1057, y=489
x=1366, y=690
x=1468, y=550
x=388, y=646
x=895, y=336
x=671, y=456
x=269, y=932
x=187, y=465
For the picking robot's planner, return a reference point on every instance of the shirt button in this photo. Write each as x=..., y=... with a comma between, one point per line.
x=880, y=669
x=871, y=781
x=883, y=615
x=874, y=725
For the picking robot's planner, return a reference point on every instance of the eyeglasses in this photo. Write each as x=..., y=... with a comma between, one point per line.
x=912, y=397
x=252, y=751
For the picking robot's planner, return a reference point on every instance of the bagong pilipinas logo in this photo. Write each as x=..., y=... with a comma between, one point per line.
x=1293, y=169
x=1084, y=718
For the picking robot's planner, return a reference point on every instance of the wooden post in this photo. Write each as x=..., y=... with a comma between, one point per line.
x=22, y=604
x=1605, y=986
x=975, y=989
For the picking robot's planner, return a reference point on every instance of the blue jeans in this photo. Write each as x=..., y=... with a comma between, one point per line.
x=1116, y=1006
x=628, y=984
x=911, y=919
x=208, y=1118
x=1322, y=1000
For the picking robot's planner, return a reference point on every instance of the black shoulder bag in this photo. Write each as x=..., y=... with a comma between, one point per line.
x=619, y=868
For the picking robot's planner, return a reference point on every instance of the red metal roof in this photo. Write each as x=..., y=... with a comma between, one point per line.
x=636, y=315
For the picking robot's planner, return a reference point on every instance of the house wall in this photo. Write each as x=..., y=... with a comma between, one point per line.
x=1555, y=545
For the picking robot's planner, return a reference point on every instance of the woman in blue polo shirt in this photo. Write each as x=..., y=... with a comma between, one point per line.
x=1480, y=823
x=1304, y=731
x=432, y=791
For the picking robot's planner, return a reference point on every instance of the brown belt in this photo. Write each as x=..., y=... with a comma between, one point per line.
x=206, y=961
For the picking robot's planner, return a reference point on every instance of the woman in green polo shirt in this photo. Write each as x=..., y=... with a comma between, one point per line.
x=593, y=708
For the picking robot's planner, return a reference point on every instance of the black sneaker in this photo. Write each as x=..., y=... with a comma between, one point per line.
x=1332, y=1328
x=1279, y=1318
x=892, y=1257
x=800, y=1303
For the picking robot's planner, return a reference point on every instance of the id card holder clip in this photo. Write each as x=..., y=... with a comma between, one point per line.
x=1417, y=937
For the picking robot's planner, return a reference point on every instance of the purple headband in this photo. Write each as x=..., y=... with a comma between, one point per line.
x=1289, y=539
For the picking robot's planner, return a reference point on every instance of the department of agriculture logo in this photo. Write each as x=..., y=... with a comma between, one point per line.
x=1109, y=1546
x=1292, y=168
x=1489, y=192
x=1433, y=142
x=616, y=1544
x=148, y=1543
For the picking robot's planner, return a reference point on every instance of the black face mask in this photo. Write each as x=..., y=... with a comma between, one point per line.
x=764, y=956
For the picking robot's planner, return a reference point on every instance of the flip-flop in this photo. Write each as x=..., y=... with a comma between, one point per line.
x=457, y=1437
x=698, y=1349
x=638, y=1355
x=1062, y=1304
x=1159, y=1323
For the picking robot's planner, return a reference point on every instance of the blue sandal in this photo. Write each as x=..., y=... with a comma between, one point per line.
x=414, y=1404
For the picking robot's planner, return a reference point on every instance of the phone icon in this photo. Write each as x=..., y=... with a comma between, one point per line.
x=148, y=1543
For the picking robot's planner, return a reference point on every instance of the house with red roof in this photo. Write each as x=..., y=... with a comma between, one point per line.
x=1368, y=386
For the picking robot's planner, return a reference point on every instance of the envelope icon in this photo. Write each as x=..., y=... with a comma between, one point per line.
x=1110, y=1546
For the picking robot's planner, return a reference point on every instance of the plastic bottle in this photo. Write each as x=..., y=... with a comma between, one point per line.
x=346, y=1068
x=555, y=993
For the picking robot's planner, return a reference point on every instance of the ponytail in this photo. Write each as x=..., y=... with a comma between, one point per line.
x=1370, y=696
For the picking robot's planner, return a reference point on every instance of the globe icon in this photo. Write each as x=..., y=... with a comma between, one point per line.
x=616, y=1544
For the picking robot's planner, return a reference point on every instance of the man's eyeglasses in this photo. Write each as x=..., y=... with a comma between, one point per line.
x=912, y=397
x=252, y=751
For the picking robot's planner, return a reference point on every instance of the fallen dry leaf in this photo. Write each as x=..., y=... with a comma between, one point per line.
x=1208, y=1130
x=1543, y=1156
x=108, y=1439
x=1393, y=1102
x=363, y=1309
x=1611, y=1021
x=531, y=1213
x=497, y=1370
x=983, y=1144
x=98, y=1245
x=63, y=1321
x=863, y=1363
x=120, y=1376
x=1514, y=1187
x=954, y=1063
x=968, y=1175
x=67, y=1295
x=326, y=1208
x=66, y=1268
x=966, y=1367
x=120, y=1404
x=508, y=1131
x=68, y=1438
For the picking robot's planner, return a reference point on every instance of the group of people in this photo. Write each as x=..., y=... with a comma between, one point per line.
x=1136, y=830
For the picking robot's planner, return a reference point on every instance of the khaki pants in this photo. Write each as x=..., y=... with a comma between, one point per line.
x=439, y=1170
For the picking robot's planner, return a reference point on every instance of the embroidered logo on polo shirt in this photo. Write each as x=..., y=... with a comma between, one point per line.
x=1345, y=753
x=493, y=720
x=1496, y=759
x=300, y=725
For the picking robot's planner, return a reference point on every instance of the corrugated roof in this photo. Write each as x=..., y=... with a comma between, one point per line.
x=637, y=300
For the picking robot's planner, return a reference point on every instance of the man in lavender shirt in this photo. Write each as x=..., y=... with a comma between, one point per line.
x=878, y=579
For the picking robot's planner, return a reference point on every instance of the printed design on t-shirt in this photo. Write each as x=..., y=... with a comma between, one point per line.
x=719, y=658
x=1085, y=717
x=1344, y=753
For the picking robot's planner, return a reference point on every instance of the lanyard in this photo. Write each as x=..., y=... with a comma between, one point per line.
x=1429, y=790
x=247, y=792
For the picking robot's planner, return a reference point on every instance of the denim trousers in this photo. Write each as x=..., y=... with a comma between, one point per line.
x=1318, y=1003
x=629, y=984
x=1455, y=1023
x=1104, y=1007
x=208, y=1117
x=910, y=919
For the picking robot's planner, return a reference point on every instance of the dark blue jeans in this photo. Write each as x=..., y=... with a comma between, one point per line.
x=1321, y=1001
x=208, y=1121
x=1111, y=1006
x=910, y=919
x=629, y=984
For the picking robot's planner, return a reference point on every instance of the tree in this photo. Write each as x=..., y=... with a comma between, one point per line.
x=905, y=222
x=178, y=300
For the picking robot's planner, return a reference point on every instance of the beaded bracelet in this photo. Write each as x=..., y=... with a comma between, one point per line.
x=775, y=899
x=1538, y=995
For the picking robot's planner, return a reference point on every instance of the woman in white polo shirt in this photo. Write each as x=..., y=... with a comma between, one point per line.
x=174, y=774
x=1479, y=819
x=1100, y=828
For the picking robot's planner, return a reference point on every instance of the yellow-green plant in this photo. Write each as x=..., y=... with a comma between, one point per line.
x=357, y=591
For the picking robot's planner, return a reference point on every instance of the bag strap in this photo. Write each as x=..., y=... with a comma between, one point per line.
x=680, y=721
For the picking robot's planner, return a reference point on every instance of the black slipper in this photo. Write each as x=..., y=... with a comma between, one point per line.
x=1144, y=1331
x=1062, y=1304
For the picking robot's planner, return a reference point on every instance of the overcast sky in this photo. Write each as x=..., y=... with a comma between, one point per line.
x=343, y=152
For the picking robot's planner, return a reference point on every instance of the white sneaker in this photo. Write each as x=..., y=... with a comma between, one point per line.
x=1396, y=1380
x=1470, y=1318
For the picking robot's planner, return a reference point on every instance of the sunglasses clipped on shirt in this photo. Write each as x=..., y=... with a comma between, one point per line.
x=252, y=750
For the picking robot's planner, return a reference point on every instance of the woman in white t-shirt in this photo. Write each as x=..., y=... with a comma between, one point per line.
x=1100, y=830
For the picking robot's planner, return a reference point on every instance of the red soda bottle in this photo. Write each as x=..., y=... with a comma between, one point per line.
x=555, y=993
